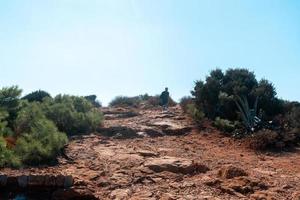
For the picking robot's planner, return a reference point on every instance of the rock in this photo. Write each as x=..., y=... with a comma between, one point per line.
x=230, y=172
x=36, y=180
x=68, y=181
x=146, y=153
x=263, y=195
x=187, y=184
x=120, y=178
x=73, y=194
x=142, y=195
x=50, y=180
x=296, y=195
x=244, y=185
x=3, y=180
x=60, y=181
x=120, y=194
x=174, y=164
x=286, y=187
x=171, y=128
x=213, y=182
x=168, y=196
x=22, y=181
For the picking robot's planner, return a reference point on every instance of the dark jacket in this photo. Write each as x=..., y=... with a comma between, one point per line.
x=164, y=97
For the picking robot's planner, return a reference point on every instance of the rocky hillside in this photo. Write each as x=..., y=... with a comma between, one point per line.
x=150, y=154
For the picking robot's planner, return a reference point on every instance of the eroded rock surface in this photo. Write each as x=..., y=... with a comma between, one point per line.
x=150, y=154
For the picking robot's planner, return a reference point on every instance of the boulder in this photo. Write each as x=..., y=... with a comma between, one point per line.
x=175, y=165
x=230, y=172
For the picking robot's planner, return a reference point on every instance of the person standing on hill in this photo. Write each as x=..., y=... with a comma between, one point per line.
x=164, y=99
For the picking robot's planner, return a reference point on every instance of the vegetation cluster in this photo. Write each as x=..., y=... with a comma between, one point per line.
x=34, y=129
x=245, y=107
x=138, y=101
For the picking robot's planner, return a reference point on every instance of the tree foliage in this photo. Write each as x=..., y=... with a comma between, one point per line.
x=9, y=101
x=217, y=95
x=93, y=100
x=38, y=95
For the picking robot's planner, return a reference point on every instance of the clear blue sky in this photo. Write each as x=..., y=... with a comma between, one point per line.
x=130, y=47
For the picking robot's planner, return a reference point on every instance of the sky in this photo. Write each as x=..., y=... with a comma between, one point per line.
x=132, y=47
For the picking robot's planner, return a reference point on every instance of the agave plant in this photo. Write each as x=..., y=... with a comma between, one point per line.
x=249, y=116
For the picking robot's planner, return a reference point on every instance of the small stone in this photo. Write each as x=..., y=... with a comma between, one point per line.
x=168, y=196
x=120, y=194
x=146, y=153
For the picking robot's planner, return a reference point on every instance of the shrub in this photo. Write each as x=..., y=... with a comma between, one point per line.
x=224, y=124
x=93, y=99
x=263, y=139
x=123, y=101
x=155, y=101
x=294, y=117
x=38, y=95
x=217, y=95
x=294, y=122
x=38, y=139
x=195, y=113
x=42, y=144
x=7, y=156
x=9, y=101
x=72, y=114
x=185, y=101
x=4, y=130
x=137, y=101
x=27, y=118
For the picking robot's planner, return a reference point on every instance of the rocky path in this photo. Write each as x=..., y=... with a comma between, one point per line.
x=149, y=154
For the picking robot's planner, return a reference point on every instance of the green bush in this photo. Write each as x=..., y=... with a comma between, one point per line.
x=72, y=114
x=155, y=101
x=224, y=124
x=10, y=102
x=42, y=144
x=217, y=95
x=184, y=102
x=4, y=130
x=195, y=113
x=93, y=99
x=31, y=129
x=136, y=101
x=7, y=156
x=294, y=117
x=122, y=101
x=38, y=95
x=38, y=138
x=27, y=118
